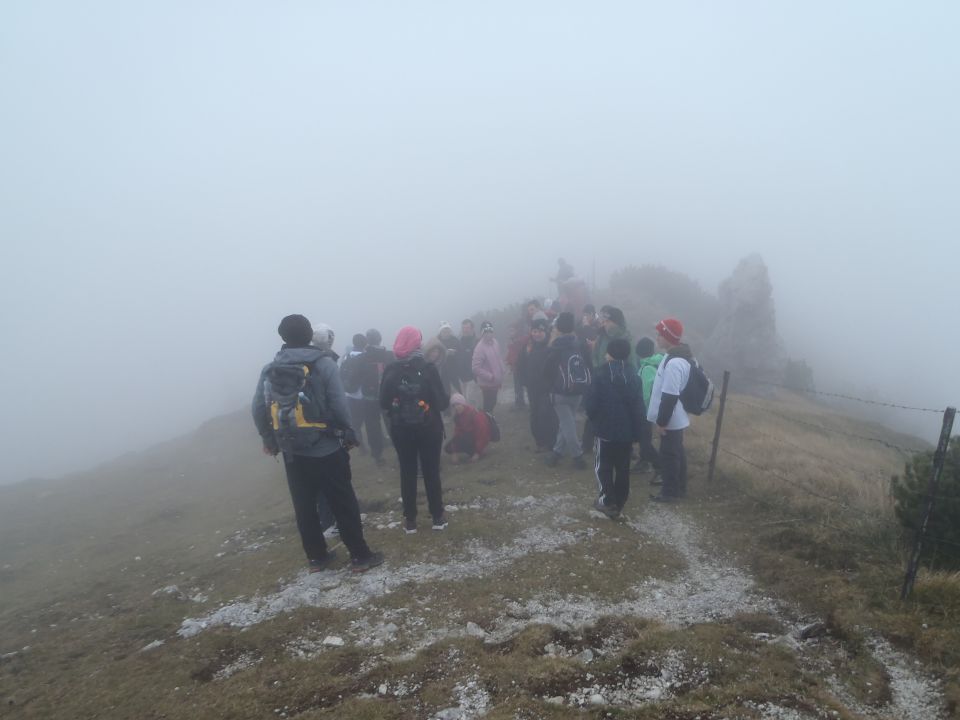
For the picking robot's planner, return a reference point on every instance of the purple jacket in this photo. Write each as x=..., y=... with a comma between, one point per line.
x=488, y=367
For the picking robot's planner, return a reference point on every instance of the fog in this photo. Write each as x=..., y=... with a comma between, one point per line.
x=175, y=177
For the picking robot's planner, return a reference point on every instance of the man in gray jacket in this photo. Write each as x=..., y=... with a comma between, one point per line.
x=300, y=409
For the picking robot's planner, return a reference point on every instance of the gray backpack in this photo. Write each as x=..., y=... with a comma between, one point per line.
x=297, y=404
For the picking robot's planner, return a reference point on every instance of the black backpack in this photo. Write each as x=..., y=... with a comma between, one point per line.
x=573, y=372
x=297, y=405
x=409, y=407
x=697, y=394
x=350, y=373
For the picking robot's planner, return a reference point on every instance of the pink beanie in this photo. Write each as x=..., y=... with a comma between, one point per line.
x=408, y=340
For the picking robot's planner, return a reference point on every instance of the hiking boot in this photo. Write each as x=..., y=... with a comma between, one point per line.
x=552, y=459
x=410, y=526
x=611, y=511
x=369, y=562
x=331, y=532
x=642, y=467
x=656, y=479
x=661, y=498
x=579, y=463
x=440, y=523
x=321, y=564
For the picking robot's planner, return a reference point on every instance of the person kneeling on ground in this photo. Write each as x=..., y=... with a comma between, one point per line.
x=472, y=431
x=614, y=405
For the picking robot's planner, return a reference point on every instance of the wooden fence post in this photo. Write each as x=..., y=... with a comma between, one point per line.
x=716, y=433
x=938, y=459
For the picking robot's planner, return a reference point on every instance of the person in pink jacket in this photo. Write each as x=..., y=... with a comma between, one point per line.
x=488, y=367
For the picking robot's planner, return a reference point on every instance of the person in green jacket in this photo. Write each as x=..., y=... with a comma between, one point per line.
x=649, y=360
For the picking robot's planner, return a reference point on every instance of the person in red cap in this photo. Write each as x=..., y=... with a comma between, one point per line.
x=666, y=412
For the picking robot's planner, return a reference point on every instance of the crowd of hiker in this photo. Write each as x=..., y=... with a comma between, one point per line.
x=312, y=407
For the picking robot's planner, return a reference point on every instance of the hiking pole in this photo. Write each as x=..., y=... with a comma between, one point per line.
x=938, y=459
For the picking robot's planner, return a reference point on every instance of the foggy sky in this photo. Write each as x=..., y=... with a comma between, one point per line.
x=175, y=177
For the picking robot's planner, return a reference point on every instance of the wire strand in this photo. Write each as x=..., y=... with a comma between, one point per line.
x=843, y=397
x=822, y=428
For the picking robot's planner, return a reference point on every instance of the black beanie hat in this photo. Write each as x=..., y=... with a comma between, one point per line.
x=613, y=313
x=645, y=347
x=374, y=337
x=618, y=349
x=296, y=331
x=359, y=341
x=540, y=324
x=565, y=322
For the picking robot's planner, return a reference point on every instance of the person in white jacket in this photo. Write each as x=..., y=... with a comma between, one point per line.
x=666, y=412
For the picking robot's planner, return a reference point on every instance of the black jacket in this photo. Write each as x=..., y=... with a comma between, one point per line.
x=531, y=368
x=614, y=402
x=560, y=346
x=371, y=363
x=464, y=357
x=433, y=393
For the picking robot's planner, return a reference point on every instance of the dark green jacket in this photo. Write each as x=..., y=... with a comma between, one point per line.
x=600, y=349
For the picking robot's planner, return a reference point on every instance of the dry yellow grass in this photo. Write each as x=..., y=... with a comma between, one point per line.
x=810, y=455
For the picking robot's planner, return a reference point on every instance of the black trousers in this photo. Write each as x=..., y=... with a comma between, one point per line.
x=543, y=421
x=517, y=390
x=419, y=445
x=489, y=398
x=612, y=466
x=329, y=478
x=673, y=464
x=647, y=450
x=587, y=443
x=366, y=413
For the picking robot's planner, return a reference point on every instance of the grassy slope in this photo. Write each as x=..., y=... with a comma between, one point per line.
x=72, y=589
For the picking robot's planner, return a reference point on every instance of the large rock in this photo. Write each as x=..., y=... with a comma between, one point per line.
x=745, y=339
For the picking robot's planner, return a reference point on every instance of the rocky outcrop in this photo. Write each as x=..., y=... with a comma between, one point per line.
x=745, y=339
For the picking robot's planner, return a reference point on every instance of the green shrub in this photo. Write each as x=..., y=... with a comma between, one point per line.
x=941, y=543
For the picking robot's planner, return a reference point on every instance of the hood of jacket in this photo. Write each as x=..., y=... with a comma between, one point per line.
x=432, y=344
x=566, y=341
x=681, y=351
x=653, y=361
x=303, y=355
x=616, y=371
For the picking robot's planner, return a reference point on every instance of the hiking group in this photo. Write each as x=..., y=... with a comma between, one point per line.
x=313, y=409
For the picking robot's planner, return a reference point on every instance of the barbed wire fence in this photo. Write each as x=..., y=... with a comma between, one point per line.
x=931, y=495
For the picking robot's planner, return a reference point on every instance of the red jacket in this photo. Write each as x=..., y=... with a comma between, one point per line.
x=471, y=421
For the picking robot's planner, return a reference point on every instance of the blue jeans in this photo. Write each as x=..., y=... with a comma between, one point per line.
x=566, y=408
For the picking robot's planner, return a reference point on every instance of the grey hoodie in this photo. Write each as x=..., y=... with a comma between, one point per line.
x=327, y=381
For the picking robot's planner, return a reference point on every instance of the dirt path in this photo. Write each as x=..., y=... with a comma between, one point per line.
x=710, y=588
